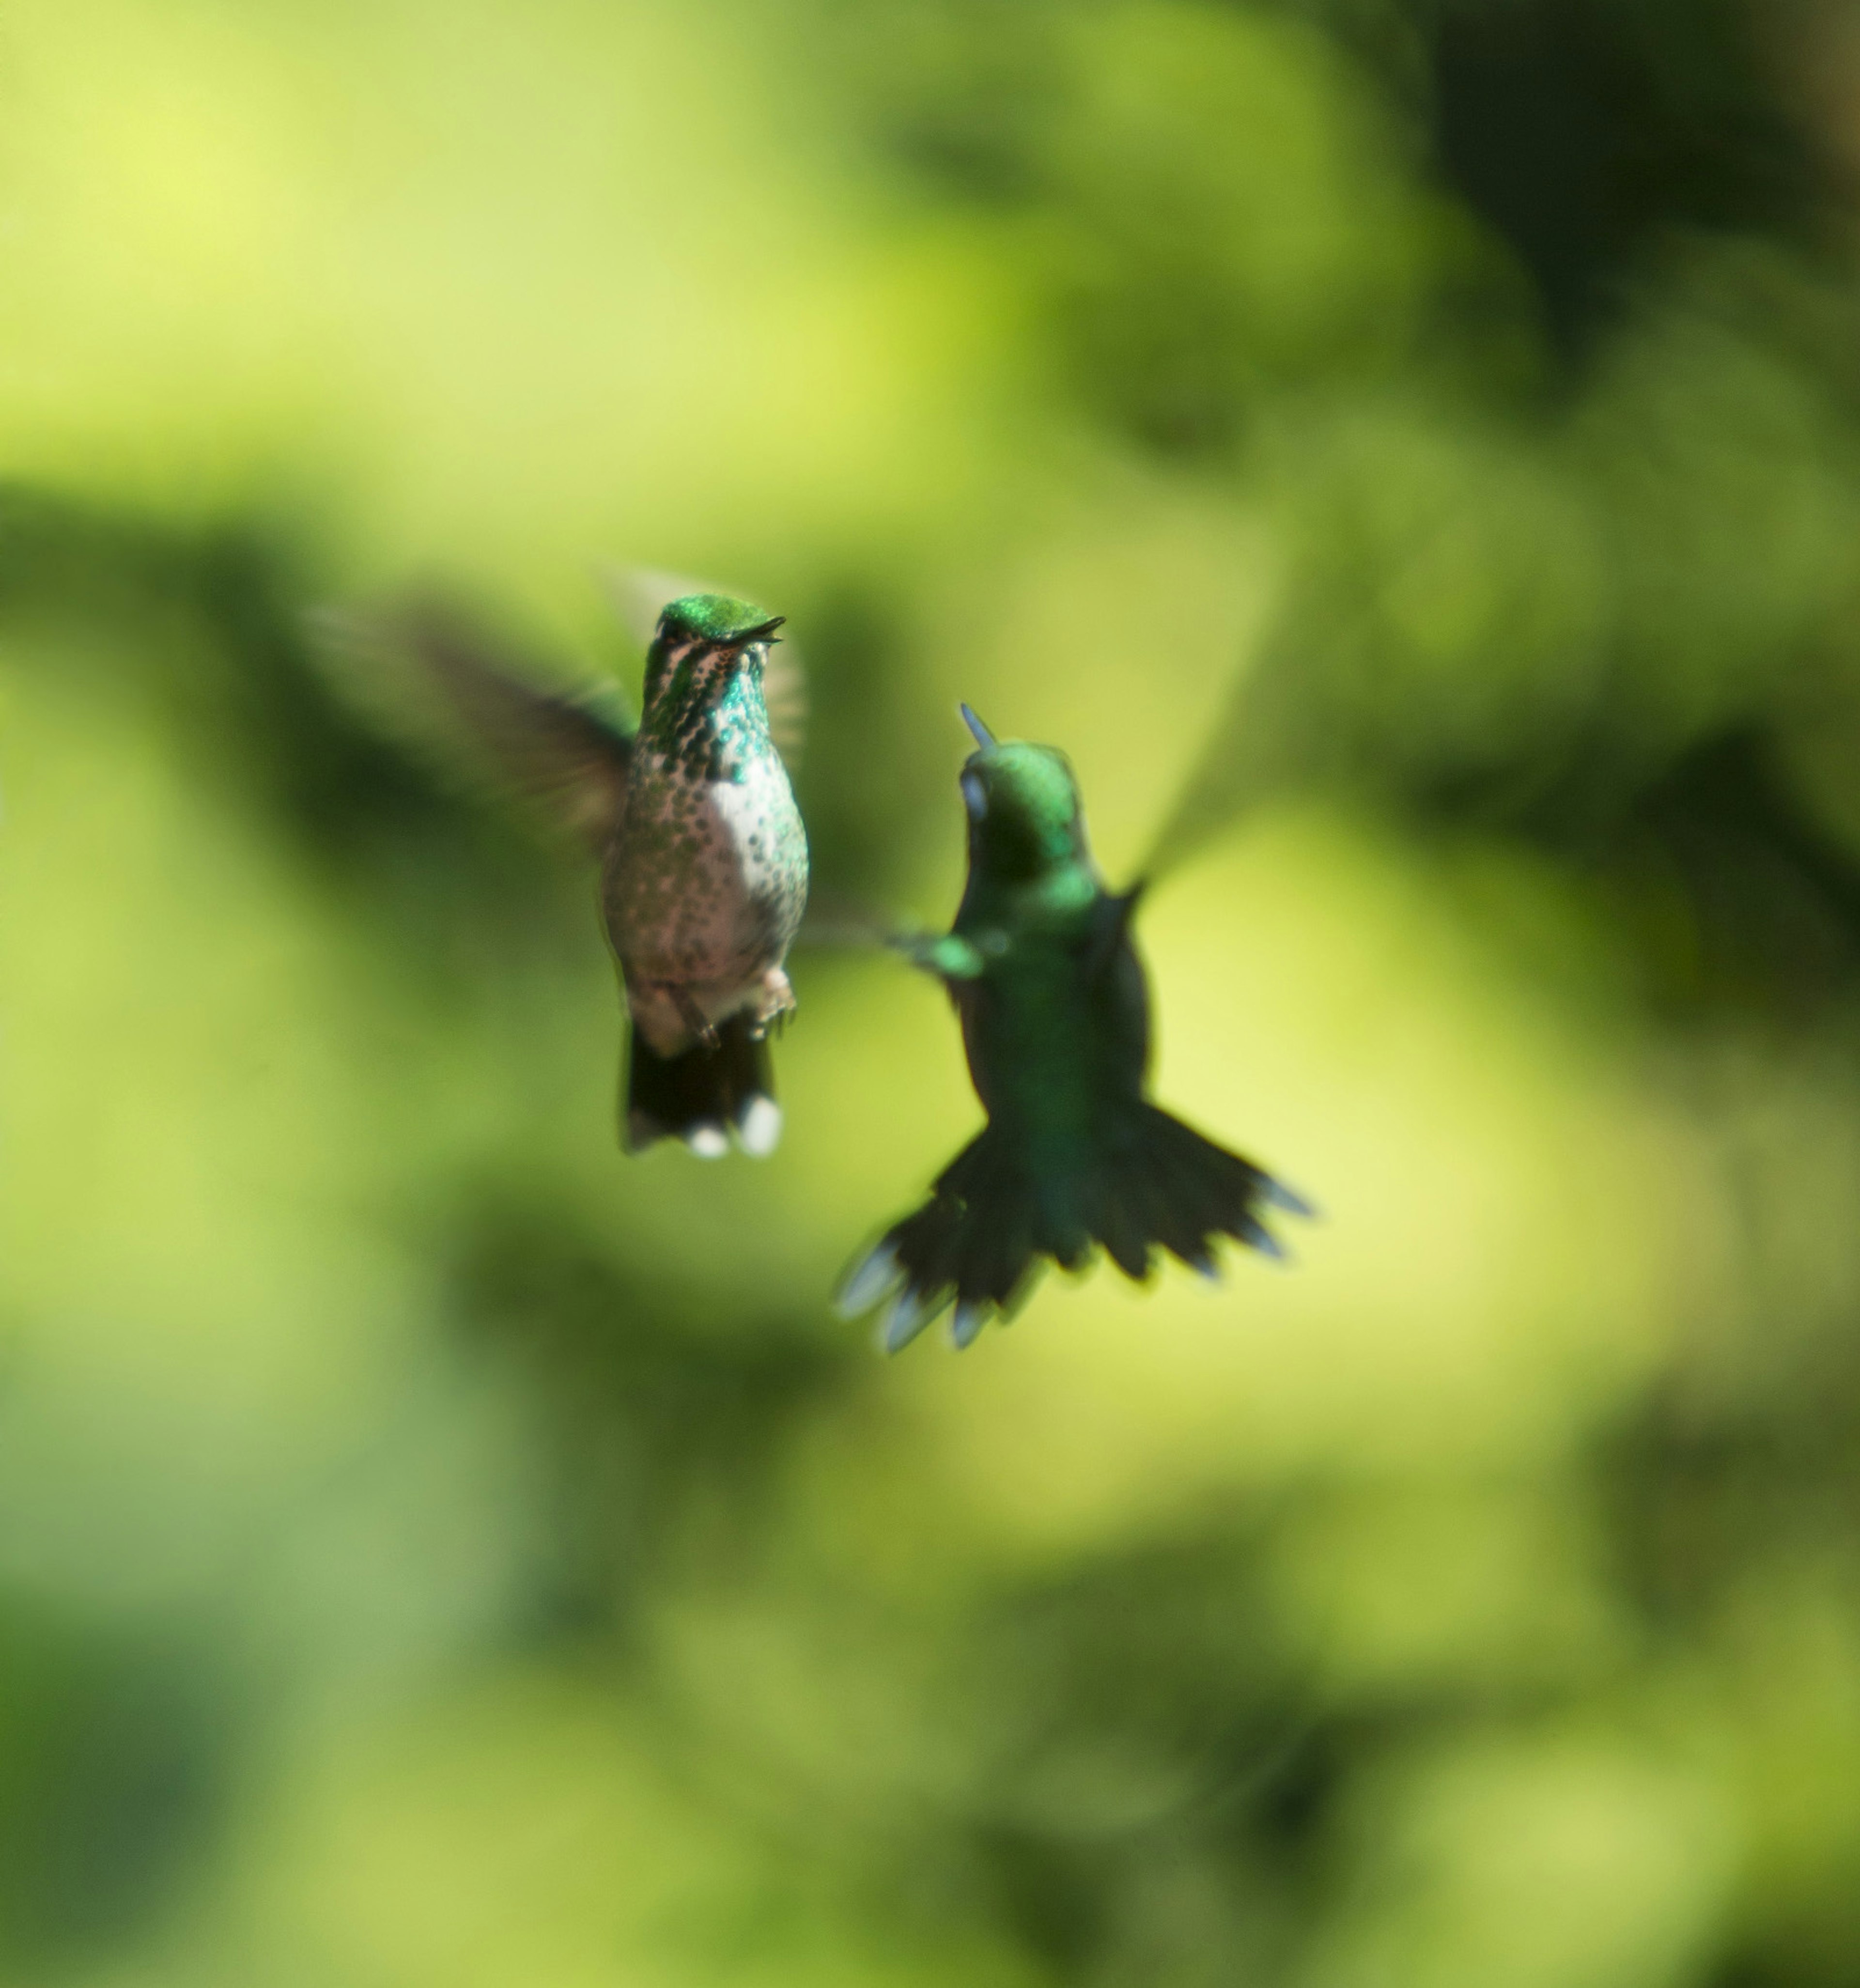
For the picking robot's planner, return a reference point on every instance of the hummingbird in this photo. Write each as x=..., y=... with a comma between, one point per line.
x=1054, y=1009
x=702, y=855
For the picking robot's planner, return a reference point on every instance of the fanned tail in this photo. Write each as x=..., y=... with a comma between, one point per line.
x=703, y=1095
x=992, y=1218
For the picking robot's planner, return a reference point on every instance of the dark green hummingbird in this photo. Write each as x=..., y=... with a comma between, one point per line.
x=702, y=855
x=1054, y=1011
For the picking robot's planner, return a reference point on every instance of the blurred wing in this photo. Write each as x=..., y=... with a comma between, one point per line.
x=1250, y=753
x=640, y=594
x=1215, y=794
x=567, y=759
x=839, y=924
x=784, y=691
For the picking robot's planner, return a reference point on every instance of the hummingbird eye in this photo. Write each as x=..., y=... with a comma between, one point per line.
x=975, y=796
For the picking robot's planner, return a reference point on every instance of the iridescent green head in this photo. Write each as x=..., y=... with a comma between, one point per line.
x=717, y=621
x=1025, y=818
x=698, y=641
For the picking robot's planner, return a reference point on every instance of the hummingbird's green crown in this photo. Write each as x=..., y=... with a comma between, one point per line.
x=715, y=618
x=1023, y=808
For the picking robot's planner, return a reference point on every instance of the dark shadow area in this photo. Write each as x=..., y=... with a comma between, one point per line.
x=118, y=1749
x=663, y=1438
x=1588, y=132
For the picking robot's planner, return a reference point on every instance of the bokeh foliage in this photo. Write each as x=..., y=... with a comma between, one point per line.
x=1409, y=455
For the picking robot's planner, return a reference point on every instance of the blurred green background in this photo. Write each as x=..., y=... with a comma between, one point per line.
x=1409, y=455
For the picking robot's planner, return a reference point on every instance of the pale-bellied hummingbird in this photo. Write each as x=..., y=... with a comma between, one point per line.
x=702, y=854
x=1055, y=1016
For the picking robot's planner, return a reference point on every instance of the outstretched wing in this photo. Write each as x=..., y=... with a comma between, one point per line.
x=1248, y=753
x=559, y=754
x=837, y=923
x=640, y=594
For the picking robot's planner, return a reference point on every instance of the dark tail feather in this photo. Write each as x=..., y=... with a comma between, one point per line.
x=703, y=1095
x=991, y=1219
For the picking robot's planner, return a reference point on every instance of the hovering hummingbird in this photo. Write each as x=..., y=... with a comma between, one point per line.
x=703, y=857
x=1055, y=1017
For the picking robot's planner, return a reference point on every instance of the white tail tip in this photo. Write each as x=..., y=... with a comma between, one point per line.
x=905, y=1318
x=868, y=1282
x=759, y=1131
x=965, y=1327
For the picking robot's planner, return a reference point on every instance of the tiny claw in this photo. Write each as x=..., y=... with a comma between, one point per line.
x=978, y=730
x=694, y=1018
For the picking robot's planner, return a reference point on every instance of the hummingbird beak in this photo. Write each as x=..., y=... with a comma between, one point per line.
x=765, y=633
x=978, y=730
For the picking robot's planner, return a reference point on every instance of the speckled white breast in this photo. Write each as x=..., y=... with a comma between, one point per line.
x=705, y=888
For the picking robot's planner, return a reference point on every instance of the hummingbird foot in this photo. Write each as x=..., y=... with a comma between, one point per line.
x=694, y=1017
x=774, y=1002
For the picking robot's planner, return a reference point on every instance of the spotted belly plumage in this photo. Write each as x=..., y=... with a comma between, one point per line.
x=704, y=890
